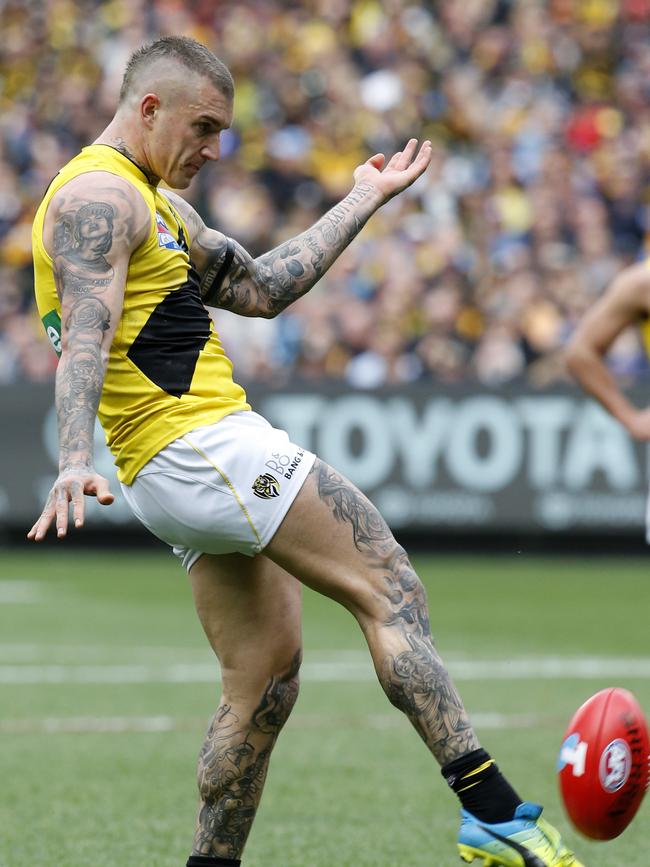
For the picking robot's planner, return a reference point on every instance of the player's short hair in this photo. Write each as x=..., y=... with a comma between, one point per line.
x=186, y=51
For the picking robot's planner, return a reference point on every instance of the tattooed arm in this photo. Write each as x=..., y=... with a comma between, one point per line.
x=92, y=226
x=626, y=302
x=232, y=279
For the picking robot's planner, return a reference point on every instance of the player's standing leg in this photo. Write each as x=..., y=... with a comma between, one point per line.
x=251, y=612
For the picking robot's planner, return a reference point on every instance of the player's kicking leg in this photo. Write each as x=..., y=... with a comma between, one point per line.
x=336, y=541
x=250, y=610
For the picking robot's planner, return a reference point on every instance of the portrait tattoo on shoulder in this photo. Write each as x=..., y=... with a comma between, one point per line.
x=81, y=240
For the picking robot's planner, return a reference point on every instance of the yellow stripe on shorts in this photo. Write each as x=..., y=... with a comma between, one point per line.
x=229, y=483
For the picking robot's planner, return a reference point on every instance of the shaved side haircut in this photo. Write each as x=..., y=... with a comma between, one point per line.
x=183, y=49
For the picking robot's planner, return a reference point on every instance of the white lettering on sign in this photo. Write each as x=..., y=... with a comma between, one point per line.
x=545, y=420
x=598, y=444
x=296, y=413
x=420, y=441
x=366, y=417
x=496, y=468
x=487, y=459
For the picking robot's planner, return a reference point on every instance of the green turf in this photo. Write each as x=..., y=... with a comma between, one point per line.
x=350, y=784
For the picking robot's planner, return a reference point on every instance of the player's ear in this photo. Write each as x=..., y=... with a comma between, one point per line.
x=149, y=105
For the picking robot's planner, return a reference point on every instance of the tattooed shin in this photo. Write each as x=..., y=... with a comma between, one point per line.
x=233, y=765
x=408, y=665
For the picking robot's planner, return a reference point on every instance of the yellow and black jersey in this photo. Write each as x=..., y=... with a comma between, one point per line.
x=167, y=371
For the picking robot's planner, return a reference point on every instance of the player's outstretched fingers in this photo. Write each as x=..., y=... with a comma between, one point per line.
x=402, y=159
x=43, y=522
x=77, y=496
x=393, y=161
x=62, y=511
x=408, y=152
x=421, y=161
x=95, y=486
x=101, y=490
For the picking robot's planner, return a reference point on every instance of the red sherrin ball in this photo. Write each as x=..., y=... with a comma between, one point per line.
x=603, y=763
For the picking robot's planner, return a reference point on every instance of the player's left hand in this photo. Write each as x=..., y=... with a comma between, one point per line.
x=398, y=173
x=72, y=484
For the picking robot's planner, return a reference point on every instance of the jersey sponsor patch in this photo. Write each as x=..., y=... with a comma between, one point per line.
x=165, y=237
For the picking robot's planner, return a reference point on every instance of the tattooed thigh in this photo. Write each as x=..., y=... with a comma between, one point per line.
x=386, y=563
x=348, y=505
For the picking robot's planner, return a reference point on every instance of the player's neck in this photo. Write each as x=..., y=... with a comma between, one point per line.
x=116, y=136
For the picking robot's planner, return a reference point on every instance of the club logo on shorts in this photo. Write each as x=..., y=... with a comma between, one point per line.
x=266, y=487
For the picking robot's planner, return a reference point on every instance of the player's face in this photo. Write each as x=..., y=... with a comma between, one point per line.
x=187, y=130
x=93, y=226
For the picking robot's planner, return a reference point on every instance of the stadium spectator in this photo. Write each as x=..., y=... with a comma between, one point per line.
x=540, y=117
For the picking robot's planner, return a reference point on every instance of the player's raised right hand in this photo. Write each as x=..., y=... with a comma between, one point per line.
x=72, y=484
x=401, y=170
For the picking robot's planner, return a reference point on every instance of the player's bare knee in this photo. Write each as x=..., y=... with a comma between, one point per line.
x=405, y=596
x=278, y=698
x=264, y=698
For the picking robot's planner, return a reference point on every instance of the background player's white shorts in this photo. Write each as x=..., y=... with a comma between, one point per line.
x=220, y=489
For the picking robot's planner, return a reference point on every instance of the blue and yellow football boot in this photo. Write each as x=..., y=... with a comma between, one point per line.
x=525, y=841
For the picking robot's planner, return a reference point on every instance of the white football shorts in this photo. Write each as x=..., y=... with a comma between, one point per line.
x=221, y=489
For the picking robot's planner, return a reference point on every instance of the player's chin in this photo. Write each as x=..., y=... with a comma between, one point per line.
x=180, y=181
x=189, y=172
x=181, y=178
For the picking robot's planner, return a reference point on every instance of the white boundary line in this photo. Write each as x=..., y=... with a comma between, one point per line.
x=17, y=592
x=348, y=667
x=157, y=724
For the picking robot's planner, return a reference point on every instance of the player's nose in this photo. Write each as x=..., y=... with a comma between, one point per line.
x=212, y=150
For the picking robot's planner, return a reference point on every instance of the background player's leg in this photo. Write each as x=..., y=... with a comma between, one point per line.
x=338, y=543
x=250, y=609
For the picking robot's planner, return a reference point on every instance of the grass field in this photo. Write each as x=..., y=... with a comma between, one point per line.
x=107, y=685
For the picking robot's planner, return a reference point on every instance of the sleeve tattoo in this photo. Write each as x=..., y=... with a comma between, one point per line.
x=267, y=285
x=82, y=237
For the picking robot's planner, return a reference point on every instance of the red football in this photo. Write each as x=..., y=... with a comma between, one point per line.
x=603, y=763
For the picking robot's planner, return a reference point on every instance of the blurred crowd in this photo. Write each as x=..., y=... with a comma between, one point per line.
x=537, y=196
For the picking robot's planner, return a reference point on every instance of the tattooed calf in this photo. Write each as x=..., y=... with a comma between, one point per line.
x=233, y=765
